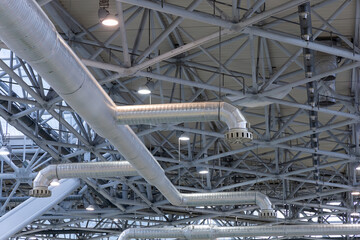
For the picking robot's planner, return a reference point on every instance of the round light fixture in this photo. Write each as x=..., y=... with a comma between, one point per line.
x=202, y=170
x=106, y=18
x=355, y=214
x=4, y=151
x=144, y=90
x=358, y=167
x=184, y=137
x=55, y=183
x=110, y=21
x=355, y=193
x=90, y=208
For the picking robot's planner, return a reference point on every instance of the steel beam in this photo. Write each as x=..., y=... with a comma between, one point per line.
x=13, y=221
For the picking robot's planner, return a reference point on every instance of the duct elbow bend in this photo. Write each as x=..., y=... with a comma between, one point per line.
x=238, y=125
x=126, y=234
x=265, y=205
x=42, y=181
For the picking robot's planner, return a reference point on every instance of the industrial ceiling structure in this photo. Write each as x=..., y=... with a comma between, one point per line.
x=247, y=125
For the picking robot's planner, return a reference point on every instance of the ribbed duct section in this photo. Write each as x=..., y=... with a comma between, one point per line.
x=325, y=63
x=123, y=168
x=188, y=112
x=78, y=170
x=213, y=232
x=326, y=96
x=27, y=31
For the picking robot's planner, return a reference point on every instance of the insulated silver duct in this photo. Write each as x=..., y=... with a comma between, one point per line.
x=123, y=168
x=325, y=63
x=326, y=93
x=27, y=31
x=78, y=170
x=188, y=112
x=213, y=232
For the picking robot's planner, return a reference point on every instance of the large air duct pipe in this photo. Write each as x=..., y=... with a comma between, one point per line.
x=324, y=63
x=27, y=31
x=78, y=170
x=213, y=232
x=124, y=168
x=188, y=112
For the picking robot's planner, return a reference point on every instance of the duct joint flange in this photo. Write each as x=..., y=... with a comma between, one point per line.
x=268, y=213
x=238, y=135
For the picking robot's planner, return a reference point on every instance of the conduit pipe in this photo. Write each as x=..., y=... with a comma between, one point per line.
x=27, y=31
x=188, y=112
x=213, y=232
x=79, y=170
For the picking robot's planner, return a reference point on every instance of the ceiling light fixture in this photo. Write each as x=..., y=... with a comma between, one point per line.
x=110, y=21
x=355, y=214
x=184, y=137
x=55, y=183
x=144, y=90
x=90, y=208
x=358, y=167
x=104, y=15
x=355, y=193
x=4, y=151
x=202, y=170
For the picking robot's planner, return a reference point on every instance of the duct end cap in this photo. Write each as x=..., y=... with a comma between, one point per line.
x=238, y=135
x=40, y=192
x=268, y=213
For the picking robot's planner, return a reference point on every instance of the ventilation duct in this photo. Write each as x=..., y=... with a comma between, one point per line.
x=123, y=168
x=213, y=232
x=78, y=170
x=326, y=96
x=27, y=31
x=324, y=63
x=188, y=112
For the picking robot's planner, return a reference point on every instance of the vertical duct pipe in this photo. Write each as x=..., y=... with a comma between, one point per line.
x=306, y=34
x=323, y=63
x=27, y=31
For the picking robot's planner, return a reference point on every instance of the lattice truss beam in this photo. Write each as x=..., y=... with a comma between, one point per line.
x=244, y=52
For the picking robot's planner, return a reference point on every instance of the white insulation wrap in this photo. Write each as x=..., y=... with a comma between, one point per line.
x=27, y=31
x=213, y=232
